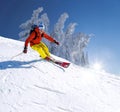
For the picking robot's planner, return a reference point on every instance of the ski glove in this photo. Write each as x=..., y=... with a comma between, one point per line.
x=25, y=50
x=56, y=42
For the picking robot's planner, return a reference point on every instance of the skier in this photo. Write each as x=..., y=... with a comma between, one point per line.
x=35, y=37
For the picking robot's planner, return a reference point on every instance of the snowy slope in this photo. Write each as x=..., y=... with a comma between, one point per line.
x=29, y=84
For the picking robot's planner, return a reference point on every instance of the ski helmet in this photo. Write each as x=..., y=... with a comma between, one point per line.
x=41, y=26
x=34, y=26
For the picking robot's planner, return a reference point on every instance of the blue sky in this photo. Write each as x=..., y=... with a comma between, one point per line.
x=100, y=17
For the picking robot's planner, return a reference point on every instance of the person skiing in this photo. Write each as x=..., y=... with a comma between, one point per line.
x=35, y=40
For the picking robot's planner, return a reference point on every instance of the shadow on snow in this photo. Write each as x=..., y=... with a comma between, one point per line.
x=16, y=64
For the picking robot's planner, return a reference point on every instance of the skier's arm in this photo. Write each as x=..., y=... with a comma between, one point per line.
x=31, y=36
x=50, y=38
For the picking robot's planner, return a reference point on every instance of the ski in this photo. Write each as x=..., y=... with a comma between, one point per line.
x=37, y=68
x=60, y=63
x=63, y=64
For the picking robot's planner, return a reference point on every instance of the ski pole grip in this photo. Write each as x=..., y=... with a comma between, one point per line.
x=25, y=47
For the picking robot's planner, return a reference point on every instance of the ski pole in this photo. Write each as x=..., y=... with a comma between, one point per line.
x=16, y=55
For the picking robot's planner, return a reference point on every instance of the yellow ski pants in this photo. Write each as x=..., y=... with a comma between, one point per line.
x=42, y=49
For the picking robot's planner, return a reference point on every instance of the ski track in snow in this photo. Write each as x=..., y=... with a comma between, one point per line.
x=29, y=84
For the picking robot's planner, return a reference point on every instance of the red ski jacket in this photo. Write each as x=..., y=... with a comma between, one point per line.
x=36, y=36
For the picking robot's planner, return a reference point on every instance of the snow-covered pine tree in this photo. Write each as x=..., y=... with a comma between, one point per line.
x=58, y=34
x=79, y=43
x=67, y=44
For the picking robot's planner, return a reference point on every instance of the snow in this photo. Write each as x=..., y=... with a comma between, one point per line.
x=30, y=84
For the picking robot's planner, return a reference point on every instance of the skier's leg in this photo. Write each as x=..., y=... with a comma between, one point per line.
x=39, y=49
x=45, y=48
